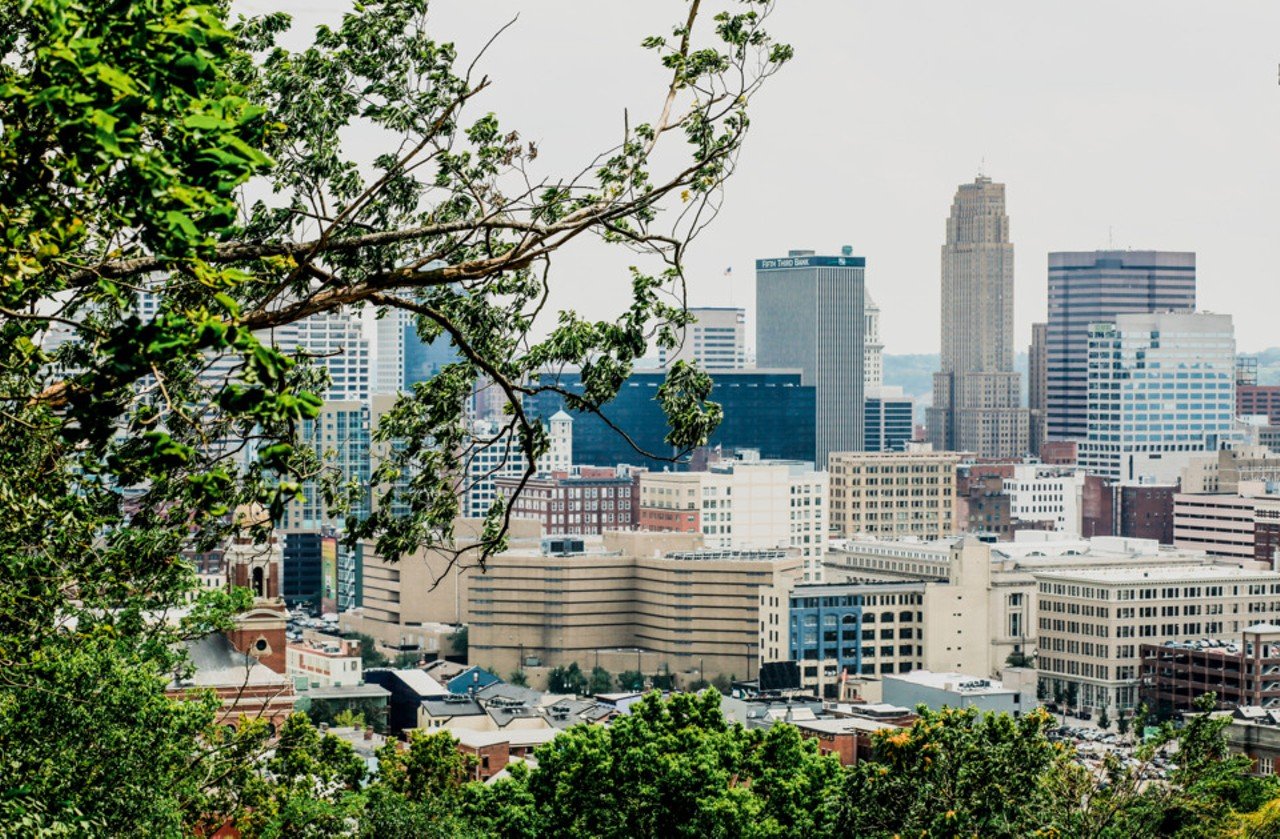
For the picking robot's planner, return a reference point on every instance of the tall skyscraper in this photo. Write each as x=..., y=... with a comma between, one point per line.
x=976, y=404
x=389, y=334
x=1161, y=388
x=873, y=365
x=717, y=340
x=1093, y=287
x=1037, y=385
x=810, y=316
x=336, y=340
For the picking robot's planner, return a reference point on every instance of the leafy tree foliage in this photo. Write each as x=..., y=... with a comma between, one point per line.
x=631, y=680
x=952, y=773
x=671, y=768
x=518, y=678
x=177, y=186
x=601, y=681
x=568, y=679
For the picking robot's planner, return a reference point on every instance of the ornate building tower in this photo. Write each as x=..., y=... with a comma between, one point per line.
x=260, y=631
x=976, y=394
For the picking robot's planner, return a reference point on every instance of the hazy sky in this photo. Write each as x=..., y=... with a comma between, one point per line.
x=1136, y=124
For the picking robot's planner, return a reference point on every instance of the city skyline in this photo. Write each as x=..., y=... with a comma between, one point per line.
x=902, y=126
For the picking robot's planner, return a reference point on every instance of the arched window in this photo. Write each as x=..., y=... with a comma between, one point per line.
x=259, y=587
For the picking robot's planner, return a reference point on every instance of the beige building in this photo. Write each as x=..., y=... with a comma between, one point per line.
x=743, y=505
x=867, y=630
x=716, y=340
x=630, y=605
x=976, y=392
x=1219, y=525
x=1092, y=621
x=412, y=604
x=1007, y=603
x=324, y=661
x=1230, y=470
x=893, y=494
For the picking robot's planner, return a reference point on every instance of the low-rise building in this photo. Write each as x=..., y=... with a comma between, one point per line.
x=1092, y=622
x=1247, y=672
x=632, y=603
x=324, y=661
x=940, y=690
x=1255, y=733
x=587, y=500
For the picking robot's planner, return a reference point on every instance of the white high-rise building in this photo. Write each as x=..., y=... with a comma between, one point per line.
x=743, y=505
x=873, y=365
x=1161, y=389
x=388, y=374
x=717, y=340
x=335, y=340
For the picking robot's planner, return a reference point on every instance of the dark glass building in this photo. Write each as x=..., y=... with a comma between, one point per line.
x=887, y=420
x=769, y=410
x=303, y=576
x=1094, y=287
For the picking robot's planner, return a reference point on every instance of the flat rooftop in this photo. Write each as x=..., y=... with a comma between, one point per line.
x=954, y=682
x=1197, y=574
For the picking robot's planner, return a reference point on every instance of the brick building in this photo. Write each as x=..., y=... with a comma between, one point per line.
x=1174, y=675
x=587, y=501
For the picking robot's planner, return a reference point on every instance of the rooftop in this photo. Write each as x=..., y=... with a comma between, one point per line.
x=952, y=681
x=1159, y=574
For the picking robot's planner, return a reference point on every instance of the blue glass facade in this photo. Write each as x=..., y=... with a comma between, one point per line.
x=301, y=583
x=422, y=361
x=856, y=629
x=766, y=410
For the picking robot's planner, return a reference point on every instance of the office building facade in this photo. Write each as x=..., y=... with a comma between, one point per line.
x=771, y=411
x=810, y=316
x=1037, y=387
x=976, y=394
x=887, y=419
x=1161, y=389
x=716, y=340
x=893, y=494
x=707, y=611
x=1093, y=287
x=743, y=506
x=873, y=363
x=1092, y=623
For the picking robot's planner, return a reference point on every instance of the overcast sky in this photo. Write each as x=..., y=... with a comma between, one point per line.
x=1137, y=124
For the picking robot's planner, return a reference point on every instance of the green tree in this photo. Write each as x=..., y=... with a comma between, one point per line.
x=601, y=681
x=631, y=680
x=518, y=678
x=569, y=679
x=723, y=683
x=458, y=642
x=672, y=768
x=370, y=657
x=129, y=133
x=1104, y=721
x=952, y=773
x=663, y=681
x=1122, y=723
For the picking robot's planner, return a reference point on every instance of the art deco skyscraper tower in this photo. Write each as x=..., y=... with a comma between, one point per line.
x=976, y=406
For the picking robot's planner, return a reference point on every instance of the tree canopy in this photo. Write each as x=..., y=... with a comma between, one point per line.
x=177, y=185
